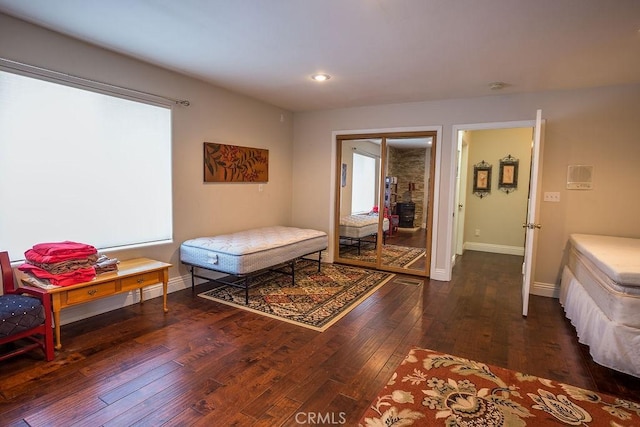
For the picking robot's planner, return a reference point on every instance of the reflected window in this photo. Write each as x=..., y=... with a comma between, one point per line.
x=363, y=196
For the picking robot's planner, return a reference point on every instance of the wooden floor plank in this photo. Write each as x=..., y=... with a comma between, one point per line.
x=139, y=381
x=66, y=411
x=278, y=413
x=316, y=406
x=129, y=403
x=361, y=382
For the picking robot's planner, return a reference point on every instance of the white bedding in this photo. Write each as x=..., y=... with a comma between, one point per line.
x=617, y=257
x=605, y=309
x=359, y=226
x=619, y=302
x=252, y=250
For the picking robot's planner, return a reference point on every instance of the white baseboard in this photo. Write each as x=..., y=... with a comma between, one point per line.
x=440, y=274
x=545, y=290
x=497, y=249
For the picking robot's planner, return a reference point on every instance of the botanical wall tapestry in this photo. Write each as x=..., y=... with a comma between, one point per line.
x=231, y=163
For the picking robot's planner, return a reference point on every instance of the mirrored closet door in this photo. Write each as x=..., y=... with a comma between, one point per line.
x=384, y=201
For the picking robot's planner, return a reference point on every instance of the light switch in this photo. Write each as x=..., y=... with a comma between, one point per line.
x=551, y=196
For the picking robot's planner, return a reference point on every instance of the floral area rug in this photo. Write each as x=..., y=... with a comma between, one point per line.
x=435, y=389
x=397, y=256
x=316, y=300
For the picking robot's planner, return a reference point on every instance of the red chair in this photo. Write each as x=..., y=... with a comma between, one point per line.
x=25, y=314
x=394, y=220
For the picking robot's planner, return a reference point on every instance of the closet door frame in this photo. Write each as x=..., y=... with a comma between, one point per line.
x=431, y=133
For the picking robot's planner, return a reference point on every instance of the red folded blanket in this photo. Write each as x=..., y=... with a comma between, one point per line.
x=49, y=253
x=62, y=248
x=65, y=266
x=65, y=279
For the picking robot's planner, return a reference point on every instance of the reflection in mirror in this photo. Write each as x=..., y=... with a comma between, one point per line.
x=358, y=200
x=384, y=200
x=406, y=202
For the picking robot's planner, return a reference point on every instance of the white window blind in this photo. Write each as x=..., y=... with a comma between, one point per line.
x=80, y=165
x=363, y=197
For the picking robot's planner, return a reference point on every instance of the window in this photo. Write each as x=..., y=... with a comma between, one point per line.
x=80, y=165
x=364, y=179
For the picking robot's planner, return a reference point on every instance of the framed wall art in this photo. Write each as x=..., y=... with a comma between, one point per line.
x=232, y=163
x=482, y=179
x=508, y=179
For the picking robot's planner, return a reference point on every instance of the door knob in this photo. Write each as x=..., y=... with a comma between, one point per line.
x=532, y=226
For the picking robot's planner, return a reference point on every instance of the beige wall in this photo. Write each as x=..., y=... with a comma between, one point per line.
x=597, y=126
x=215, y=115
x=498, y=216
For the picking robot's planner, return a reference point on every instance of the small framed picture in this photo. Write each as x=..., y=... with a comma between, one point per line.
x=508, y=179
x=482, y=179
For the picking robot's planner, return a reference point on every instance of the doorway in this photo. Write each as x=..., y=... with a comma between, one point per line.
x=488, y=215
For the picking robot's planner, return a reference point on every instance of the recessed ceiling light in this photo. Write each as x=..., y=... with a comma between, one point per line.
x=320, y=77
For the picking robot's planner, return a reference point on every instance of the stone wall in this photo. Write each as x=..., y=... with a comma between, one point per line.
x=410, y=165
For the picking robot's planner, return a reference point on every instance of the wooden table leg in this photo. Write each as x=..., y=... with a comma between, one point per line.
x=55, y=308
x=165, y=285
x=56, y=321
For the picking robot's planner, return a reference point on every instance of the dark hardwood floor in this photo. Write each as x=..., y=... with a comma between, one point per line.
x=404, y=237
x=205, y=363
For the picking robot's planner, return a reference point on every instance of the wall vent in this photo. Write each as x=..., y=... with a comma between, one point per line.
x=579, y=177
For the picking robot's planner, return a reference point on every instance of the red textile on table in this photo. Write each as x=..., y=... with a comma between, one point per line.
x=62, y=248
x=49, y=253
x=67, y=265
x=65, y=279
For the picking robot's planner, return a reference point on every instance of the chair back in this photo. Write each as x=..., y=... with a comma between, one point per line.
x=39, y=334
x=7, y=273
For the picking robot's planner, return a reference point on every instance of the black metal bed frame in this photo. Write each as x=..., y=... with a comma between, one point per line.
x=242, y=281
x=349, y=242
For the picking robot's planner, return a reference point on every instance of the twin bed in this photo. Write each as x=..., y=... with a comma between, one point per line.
x=356, y=229
x=600, y=293
x=246, y=253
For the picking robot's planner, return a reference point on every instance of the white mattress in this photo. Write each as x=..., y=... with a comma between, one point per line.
x=617, y=257
x=359, y=226
x=252, y=250
x=619, y=302
x=605, y=309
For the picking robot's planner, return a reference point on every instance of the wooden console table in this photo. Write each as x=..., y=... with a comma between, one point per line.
x=131, y=275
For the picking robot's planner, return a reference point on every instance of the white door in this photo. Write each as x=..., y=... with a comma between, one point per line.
x=456, y=204
x=533, y=210
x=462, y=192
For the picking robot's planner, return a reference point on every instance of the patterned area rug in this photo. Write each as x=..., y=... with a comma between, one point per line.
x=316, y=301
x=397, y=256
x=435, y=389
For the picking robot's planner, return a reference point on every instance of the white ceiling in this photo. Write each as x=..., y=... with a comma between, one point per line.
x=377, y=51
